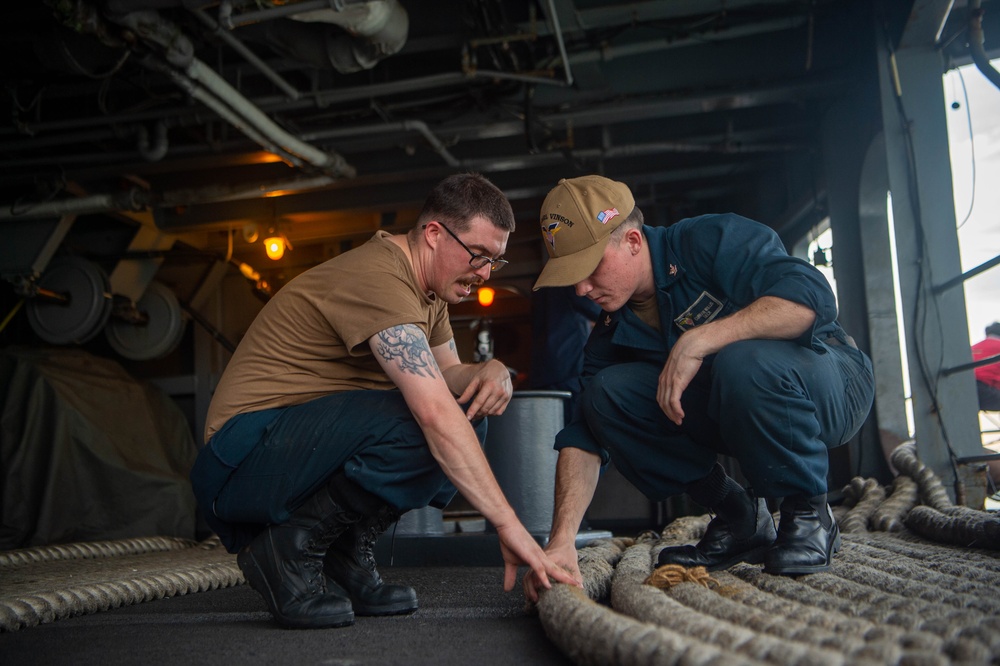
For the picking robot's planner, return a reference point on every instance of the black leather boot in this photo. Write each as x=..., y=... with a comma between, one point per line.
x=350, y=564
x=741, y=531
x=808, y=537
x=284, y=564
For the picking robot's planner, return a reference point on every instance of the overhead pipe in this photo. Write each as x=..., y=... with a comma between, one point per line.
x=225, y=112
x=628, y=150
x=214, y=91
x=320, y=98
x=507, y=76
x=156, y=151
x=614, y=15
x=976, y=40
x=135, y=199
x=421, y=127
x=246, y=18
x=473, y=71
x=275, y=141
x=221, y=193
x=247, y=54
x=559, y=41
x=418, y=84
x=363, y=17
x=367, y=33
x=403, y=126
x=656, y=45
x=138, y=200
x=132, y=199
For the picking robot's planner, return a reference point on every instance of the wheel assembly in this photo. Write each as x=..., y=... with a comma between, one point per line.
x=73, y=302
x=158, y=335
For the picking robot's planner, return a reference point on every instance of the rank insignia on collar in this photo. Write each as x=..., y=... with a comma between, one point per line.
x=672, y=270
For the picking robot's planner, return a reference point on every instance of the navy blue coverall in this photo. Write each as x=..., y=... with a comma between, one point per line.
x=260, y=466
x=776, y=406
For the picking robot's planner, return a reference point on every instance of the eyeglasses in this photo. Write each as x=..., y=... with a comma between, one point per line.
x=477, y=261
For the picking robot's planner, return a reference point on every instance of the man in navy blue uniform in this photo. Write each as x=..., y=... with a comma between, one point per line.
x=712, y=340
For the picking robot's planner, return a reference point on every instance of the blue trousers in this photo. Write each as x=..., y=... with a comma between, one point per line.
x=773, y=405
x=261, y=466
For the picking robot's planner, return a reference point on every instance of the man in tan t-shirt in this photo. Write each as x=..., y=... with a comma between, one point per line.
x=346, y=404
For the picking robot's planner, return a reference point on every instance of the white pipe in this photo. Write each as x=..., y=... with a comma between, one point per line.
x=99, y=203
x=247, y=54
x=559, y=40
x=218, y=86
x=241, y=112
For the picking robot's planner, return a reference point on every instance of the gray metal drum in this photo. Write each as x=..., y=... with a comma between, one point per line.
x=519, y=450
x=427, y=521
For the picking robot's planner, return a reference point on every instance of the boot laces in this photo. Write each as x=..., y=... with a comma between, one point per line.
x=373, y=529
x=312, y=563
x=319, y=542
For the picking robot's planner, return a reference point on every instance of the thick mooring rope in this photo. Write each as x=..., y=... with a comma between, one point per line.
x=37, y=587
x=941, y=520
x=93, y=549
x=892, y=597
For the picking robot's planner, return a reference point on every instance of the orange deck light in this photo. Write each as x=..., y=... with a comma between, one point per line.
x=486, y=296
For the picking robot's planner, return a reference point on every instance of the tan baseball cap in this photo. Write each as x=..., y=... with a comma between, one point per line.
x=577, y=219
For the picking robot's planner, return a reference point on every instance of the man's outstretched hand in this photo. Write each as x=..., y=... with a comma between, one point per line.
x=520, y=549
x=565, y=558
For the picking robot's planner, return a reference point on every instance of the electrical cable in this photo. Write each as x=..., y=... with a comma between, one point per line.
x=972, y=148
x=83, y=71
x=10, y=315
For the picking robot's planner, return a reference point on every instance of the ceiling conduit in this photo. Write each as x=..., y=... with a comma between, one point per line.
x=247, y=54
x=216, y=93
x=417, y=126
x=203, y=84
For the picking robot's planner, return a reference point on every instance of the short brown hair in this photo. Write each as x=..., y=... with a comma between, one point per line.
x=634, y=220
x=460, y=197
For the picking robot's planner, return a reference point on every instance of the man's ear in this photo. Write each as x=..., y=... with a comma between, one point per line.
x=431, y=233
x=635, y=239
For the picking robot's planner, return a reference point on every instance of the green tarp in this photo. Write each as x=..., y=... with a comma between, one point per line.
x=88, y=453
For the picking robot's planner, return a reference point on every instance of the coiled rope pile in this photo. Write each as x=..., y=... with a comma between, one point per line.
x=48, y=583
x=915, y=583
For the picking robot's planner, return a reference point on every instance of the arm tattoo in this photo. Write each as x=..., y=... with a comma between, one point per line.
x=407, y=346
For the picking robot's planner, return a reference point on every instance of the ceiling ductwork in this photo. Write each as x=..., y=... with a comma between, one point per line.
x=204, y=84
x=371, y=31
x=347, y=36
x=213, y=113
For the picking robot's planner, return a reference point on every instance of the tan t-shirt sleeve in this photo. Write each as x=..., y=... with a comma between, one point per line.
x=311, y=339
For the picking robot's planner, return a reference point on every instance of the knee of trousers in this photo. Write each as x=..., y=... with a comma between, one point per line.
x=746, y=372
x=618, y=400
x=619, y=385
x=402, y=470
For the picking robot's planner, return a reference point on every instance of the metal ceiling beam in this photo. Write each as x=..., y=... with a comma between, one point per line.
x=407, y=189
x=631, y=13
x=657, y=45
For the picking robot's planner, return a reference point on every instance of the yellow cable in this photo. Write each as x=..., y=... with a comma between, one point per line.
x=10, y=315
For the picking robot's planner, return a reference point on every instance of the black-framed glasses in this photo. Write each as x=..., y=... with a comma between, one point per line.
x=476, y=260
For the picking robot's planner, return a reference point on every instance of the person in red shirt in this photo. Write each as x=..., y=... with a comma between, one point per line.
x=988, y=376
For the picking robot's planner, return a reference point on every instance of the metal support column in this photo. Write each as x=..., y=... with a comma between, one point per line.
x=918, y=161
x=856, y=196
x=877, y=257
